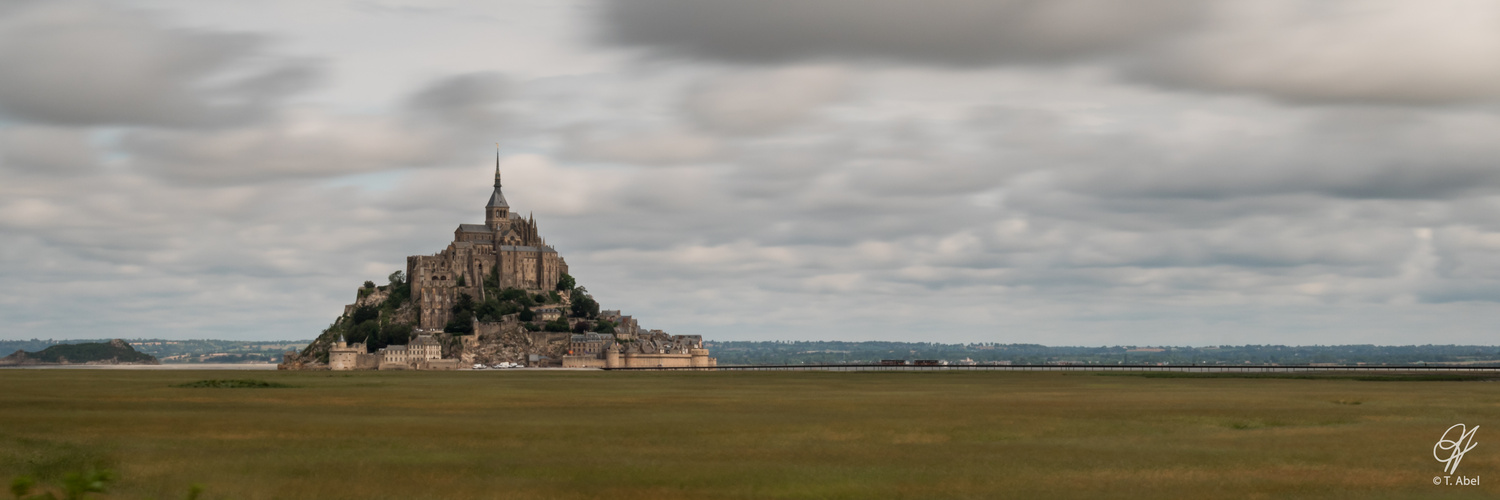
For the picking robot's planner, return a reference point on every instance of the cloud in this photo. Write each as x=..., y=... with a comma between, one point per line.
x=435, y=122
x=130, y=250
x=1366, y=51
x=465, y=100
x=298, y=144
x=1349, y=154
x=877, y=172
x=644, y=147
x=1329, y=52
x=760, y=102
x=945, y=32
x=47, y=150
x=80, y=64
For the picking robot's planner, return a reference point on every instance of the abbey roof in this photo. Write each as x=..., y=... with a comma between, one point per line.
x=497, y=199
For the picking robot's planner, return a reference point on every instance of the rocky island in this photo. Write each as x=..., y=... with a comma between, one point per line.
x=497, y=294
x=114, y=352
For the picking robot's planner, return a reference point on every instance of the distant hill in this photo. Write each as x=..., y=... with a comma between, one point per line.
x=114, y=352
x=181, y=351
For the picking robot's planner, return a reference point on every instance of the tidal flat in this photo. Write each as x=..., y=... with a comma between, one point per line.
x=659, y=435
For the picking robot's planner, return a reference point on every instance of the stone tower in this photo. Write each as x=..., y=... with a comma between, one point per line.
x=507, y=247
x=497, y=211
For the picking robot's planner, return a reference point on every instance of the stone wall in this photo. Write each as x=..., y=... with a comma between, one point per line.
x=582, y=362
x=438, y=364
x=633, y=360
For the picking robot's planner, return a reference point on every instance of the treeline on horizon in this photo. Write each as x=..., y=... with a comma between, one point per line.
x=195, y=350
x=847, y=352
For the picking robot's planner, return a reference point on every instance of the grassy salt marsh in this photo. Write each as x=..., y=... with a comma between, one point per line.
x=535, y=434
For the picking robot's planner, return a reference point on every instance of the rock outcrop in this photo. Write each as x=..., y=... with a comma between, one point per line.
x=114, y=352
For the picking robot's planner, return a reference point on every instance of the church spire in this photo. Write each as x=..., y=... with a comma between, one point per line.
x=497, y=211
x=497, y=200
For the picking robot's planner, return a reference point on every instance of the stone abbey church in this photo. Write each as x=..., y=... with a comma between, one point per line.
x=506, y=243
x=506, y=248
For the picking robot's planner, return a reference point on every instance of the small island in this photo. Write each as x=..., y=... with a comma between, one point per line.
x=114, y=352
x=498, y=295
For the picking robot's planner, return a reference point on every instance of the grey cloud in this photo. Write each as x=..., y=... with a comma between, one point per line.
x=73, y=63
x=771, y=172
x=1175, y=200
x=949, y=32
x=209, y=257
x=1295, y=51
x=433, y=124
x=469, y=100
x=645, y=147
x=1382, y=153
x=1357, y=51
x=290, y=147
x=1067, y=204
x=761, y=102
x=47, y=150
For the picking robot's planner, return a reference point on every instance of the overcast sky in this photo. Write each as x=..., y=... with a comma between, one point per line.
x=1064, y=172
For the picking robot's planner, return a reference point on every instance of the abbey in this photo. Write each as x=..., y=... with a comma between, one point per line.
x=506, y=244
x=497, y=294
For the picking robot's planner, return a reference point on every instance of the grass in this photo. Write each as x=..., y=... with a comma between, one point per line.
x=1363, y=377
x=656, y=435
x=232, y=384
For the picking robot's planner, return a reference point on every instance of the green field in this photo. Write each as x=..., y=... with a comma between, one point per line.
x=654, y=435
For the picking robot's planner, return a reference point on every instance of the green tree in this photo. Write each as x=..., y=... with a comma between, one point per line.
x=367, y=332
x=369, y=284
x=492, y=283
x=566, y=282
x=584, y=305
x=392, y=334
x=465, y=302
x=527, y=315
x=489, y=310
x=556, y=325
x=363, y=314
x=400, y=292
x=462, y=321
x=460, y=324
x=604, y=326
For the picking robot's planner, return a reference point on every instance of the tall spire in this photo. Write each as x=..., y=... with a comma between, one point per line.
x=496, y=199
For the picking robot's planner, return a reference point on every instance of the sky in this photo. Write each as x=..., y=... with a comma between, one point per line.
x=1062, y=172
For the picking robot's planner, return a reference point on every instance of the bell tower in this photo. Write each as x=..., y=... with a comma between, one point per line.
x=497, y=212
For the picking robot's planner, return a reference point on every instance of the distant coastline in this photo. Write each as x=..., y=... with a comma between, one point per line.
x=113, y=352
x=209, y=354
x=176, y=366
x=184, y=352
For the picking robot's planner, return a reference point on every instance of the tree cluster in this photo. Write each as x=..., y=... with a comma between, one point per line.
x=375, y=325
x=498, y=303
x=584, y=305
